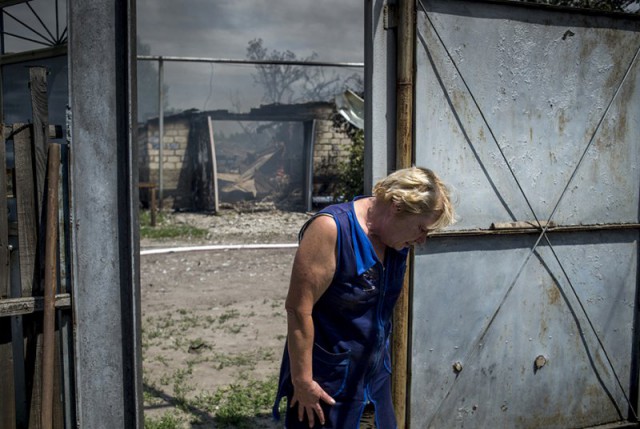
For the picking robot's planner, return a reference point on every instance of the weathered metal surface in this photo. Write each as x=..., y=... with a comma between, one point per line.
x=530, y=114
x=379, y=82
x=480, y=302
x=543, y=81
x=106, y=300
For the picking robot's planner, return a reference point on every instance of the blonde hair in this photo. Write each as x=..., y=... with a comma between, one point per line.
x=419, y=191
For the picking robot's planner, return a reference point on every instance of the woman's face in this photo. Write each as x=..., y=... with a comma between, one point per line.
x=405, y=229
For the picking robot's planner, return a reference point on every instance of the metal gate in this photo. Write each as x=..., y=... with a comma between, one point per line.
x=524, y=313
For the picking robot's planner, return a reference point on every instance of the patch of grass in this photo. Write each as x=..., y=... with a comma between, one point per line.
x=235, y=328
x=240, y=359
x=189, y=321
x=239, y=404
x=228, y=315
x=169, y=332
x=277, y=304
x=163, y=229
x=180, y=387
x=163, y=360
x=167, y=421
x=249, y=359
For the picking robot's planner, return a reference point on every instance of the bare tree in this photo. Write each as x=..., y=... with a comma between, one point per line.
x=277, y=80
x=288, y=83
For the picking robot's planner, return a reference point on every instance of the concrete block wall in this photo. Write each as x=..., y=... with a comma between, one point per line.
x=176, y=138
x=331, y=148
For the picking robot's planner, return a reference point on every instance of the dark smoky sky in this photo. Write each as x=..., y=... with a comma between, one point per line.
x=332, y=29
x=204, y=28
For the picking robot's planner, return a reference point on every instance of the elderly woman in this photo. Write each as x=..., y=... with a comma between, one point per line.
x=346, y=277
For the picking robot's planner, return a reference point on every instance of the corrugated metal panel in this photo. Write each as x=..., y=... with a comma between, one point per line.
x=528, y=113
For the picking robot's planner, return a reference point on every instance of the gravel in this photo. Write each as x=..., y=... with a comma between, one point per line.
x=232, y=225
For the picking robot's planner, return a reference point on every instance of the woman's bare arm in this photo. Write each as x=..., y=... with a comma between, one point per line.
x=313, y=270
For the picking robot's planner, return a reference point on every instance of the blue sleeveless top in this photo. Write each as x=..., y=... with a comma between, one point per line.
x=352, y=322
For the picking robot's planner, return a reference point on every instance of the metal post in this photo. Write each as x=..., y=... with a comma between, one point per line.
x=404, y=158
x=379, y=79
x=104, y=181
x=309, y=143
x=160, y=132
x=214, y=166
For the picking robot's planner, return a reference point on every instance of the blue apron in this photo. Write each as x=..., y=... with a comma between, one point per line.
x=352, y=322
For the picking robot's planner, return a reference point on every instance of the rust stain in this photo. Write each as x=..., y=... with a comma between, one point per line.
x=553, y=294
x=562, y=121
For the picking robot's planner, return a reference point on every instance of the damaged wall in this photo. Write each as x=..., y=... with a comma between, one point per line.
x=249, y=175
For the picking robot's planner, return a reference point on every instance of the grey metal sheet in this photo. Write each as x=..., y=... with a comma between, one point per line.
x=379, y=81
x=543, y=81
x=485, y=303
x=527, y=112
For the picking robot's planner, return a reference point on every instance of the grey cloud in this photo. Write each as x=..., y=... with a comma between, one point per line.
x=332, y=28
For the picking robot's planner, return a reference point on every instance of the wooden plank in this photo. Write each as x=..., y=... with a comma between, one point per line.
x=40, y=118
x=7, y=390
x=26, y=192
x=32, y=331
x=58, y=403
x=40, y=374
x=32, y=304
x=17, y=342
x=26, y=208
x=54, y=131
x=4, y=223
x=50, y=287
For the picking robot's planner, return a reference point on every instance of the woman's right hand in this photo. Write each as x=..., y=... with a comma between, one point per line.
x=308, y=396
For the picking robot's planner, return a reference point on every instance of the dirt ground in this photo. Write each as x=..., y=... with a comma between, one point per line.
x=214, y=319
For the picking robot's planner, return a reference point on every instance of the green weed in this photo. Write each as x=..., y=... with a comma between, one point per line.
x=228, y=315
x=165, y=230
x=167, y=421
x=238, y=405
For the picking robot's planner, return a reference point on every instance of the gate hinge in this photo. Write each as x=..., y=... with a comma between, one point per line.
x=390, y=16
